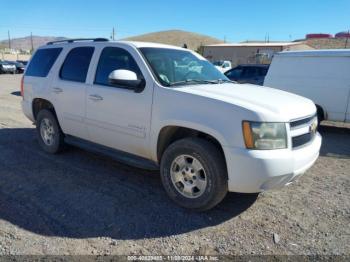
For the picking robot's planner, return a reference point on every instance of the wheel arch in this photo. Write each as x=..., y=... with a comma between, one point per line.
x=321, y=114
x=171, y=133
x=41, y=103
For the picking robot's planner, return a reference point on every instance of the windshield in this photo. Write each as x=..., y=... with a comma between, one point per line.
x=179, y=67
x=218, y=63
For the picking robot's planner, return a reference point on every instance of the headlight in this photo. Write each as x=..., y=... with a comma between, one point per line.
x=264, y=136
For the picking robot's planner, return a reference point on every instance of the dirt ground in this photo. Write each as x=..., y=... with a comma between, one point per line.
x=81, y=203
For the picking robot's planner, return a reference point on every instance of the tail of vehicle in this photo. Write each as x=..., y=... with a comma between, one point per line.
x=22, y=86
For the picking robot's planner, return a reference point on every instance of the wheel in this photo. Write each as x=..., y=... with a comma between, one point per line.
x=194, y=174
x=50, y=135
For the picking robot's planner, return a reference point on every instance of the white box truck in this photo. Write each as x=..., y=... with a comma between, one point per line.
x=320, y=75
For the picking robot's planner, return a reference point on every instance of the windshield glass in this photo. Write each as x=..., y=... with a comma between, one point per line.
x=179, y=67
x=218, y=63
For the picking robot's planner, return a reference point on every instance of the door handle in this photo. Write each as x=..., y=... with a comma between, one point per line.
x=95, y=97
x=57, y=90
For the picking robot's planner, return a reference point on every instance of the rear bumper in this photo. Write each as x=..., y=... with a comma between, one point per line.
x=27, y=110
x=251, y=171
x=8, y=70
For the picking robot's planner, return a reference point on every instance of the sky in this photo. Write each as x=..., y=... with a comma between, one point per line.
x=235, y=20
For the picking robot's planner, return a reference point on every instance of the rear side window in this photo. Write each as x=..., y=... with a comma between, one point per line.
x=114, y=58
x=76, y=65
x=42, y=62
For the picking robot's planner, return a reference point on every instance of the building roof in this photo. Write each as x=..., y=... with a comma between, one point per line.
x=257, y=44
x=320, y=52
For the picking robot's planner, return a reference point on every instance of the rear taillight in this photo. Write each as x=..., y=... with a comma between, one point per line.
x=22, y=87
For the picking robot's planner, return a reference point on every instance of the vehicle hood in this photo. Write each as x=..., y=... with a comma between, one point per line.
x=268, y=103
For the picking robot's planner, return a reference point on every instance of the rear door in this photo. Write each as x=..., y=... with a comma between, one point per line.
x=118, y=117
x=68, y=89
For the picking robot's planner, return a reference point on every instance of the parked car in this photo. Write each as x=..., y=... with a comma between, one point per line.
x=24, y=62
x=320, y=75
x=19, y=66
x=223, y=66
x=168, y=108
x=251, y=74
x=6, y=68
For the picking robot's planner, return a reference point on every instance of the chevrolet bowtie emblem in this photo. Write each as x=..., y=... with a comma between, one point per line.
x=313, y=127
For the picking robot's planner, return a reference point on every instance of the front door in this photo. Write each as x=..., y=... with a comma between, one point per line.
x=118, y=117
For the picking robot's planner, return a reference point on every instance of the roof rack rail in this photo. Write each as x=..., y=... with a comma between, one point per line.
x=77, y=40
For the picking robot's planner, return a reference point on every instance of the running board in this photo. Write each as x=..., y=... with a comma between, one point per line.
x=119, y=156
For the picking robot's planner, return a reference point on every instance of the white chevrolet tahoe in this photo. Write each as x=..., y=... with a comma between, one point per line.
x=159, y=106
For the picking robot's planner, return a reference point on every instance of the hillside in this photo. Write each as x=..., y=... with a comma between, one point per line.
x=25, y=42
x=177, y=38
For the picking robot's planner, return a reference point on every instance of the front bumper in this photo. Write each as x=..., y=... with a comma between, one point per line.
x=252, y=171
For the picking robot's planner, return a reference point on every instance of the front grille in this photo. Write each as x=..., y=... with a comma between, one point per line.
x=303, y=131
x=301, y=122
x=301, y=140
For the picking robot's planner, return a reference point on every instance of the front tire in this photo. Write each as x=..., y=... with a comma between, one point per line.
x=50, y=135
x=194, y=174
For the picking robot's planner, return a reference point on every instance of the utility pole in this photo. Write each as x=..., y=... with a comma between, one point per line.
x=347, y=39
x=113, y=34
x=224, y=38
x=31, y=41
x=8, y=34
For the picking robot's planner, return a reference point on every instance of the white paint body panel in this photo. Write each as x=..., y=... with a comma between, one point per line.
x=132, y=122
x=322, y=76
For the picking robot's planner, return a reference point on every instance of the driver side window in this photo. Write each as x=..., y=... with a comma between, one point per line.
x=114, y=58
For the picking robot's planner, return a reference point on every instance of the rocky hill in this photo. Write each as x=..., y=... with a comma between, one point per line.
x=177, y=38
x=24, y=43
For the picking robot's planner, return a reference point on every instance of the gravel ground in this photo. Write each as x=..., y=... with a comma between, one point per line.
x=81, y=203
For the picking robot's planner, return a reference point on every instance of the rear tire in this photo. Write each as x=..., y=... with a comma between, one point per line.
x=50, y=135
x=194, y=174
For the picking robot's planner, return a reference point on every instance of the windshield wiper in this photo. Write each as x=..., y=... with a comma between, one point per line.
x=196, y=81
x=220, y=81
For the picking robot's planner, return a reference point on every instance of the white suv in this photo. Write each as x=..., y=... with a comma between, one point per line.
x=159, y=106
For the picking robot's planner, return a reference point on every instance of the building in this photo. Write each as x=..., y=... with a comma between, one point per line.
x=250, y=52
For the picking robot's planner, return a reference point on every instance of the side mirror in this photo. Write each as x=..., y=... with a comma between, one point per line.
x=127, y=79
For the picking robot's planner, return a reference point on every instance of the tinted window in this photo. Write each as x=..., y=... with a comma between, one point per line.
x=250, y=72
x=235, y=73
x=114, y=58
x=42, y=62
x=263, y=71
x=76, y=65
